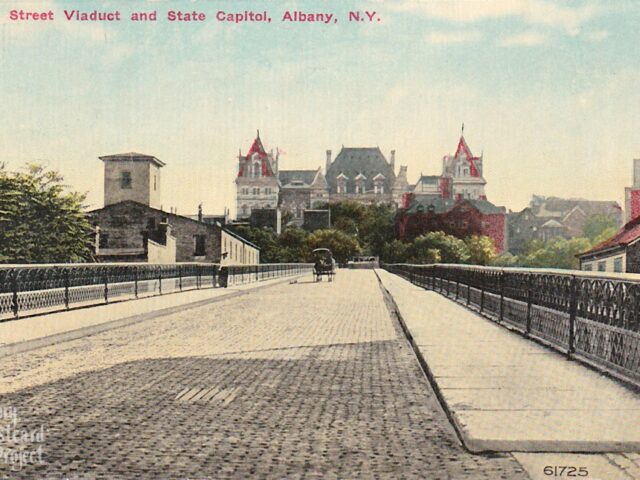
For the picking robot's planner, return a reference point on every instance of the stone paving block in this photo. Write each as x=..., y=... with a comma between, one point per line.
x=321, y=382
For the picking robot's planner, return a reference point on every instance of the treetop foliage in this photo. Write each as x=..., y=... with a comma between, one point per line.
x=40, y=220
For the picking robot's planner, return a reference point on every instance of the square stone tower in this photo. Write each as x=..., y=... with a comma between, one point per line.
x=132, y=176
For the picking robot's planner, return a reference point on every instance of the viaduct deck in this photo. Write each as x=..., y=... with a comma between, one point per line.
x=297, y=380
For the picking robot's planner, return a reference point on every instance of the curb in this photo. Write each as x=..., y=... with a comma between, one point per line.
x=495, y=445
x=426, y=370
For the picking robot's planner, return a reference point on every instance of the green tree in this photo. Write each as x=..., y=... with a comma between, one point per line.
x=264, y=238
x=596, y=225
x=394, y=251
x=507, y=259
x=377, y=228
x=557, y=253
x=450, y=248
x=40, y=220
x=343, y=246
x=482, y=250
x=604, y=235
x=293, y=245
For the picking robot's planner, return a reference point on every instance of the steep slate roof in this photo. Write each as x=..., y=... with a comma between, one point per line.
x=627, y=234
x=368, y=161
x=288, y=176
x=443, y=205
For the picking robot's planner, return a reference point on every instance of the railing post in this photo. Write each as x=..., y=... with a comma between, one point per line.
x=468, y=288
x=214, y=282
x=65, y=274
x=457, y=285
x=481, y=296
x=529, y=302
x=160, y=280
x=105, y=278
x=135, y=281
x=573, y=306
x=500, y=318
x=180, y=277
x=14, y=291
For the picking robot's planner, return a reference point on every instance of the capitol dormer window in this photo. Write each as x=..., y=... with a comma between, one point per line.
x=256, y=169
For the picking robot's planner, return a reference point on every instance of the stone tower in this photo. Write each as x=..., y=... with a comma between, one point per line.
x=132, y=176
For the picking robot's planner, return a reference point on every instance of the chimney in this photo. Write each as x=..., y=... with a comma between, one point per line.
x=392, y=161
x=200, y=213
x=326, y=170
x=636, y=172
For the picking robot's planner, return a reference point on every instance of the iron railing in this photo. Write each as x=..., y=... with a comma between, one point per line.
x=593, y=316
x=36, y=289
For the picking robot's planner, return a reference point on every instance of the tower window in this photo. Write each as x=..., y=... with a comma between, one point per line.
x=125, y=180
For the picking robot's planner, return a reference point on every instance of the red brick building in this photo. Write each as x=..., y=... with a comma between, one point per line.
x=460, y=218
x=453, y=202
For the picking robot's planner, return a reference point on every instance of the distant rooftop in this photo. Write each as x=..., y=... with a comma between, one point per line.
x=133, y=156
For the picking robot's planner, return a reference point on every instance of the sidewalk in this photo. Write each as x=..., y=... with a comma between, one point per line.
x=35, y=332
x=506, y=393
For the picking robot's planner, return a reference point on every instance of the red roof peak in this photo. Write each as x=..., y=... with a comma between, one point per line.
x=463, y=148
x=257, y=147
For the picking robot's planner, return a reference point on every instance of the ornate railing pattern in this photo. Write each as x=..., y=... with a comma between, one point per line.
x=28, y=290
x=595, y=317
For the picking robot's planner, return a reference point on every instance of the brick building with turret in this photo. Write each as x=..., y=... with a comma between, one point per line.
x=453, y=202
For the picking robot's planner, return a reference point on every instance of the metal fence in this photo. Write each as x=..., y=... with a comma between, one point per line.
x=30, y=290
x=595, y=317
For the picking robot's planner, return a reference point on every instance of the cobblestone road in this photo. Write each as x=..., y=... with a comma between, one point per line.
x=293, y=381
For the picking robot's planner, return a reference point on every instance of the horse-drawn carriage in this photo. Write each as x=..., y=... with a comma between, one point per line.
x=324, y=264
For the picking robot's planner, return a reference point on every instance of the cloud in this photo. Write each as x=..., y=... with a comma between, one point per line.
x=533, y=12
x=446, y=38
x=597, y=36
x=525, y=39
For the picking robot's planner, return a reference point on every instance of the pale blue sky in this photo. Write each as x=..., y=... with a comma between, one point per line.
x=549, y=90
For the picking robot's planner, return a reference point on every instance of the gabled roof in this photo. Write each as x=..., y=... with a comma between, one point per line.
x=463, y=148
x=265, y=159
x=627, y=234
x=133, y=156
x=257, y=147
x=563, y=205
x=360, y=176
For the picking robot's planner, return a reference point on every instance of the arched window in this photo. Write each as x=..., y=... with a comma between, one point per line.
x=256, y=169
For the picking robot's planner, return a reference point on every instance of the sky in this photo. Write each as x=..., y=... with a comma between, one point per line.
x=548, y=91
